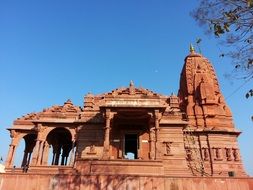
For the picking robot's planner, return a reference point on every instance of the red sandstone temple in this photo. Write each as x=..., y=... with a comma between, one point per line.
x=133, y=138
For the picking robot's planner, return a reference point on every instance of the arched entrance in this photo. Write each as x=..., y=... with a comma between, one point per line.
x=26, y=145
x=60, y=143
x=30, y=141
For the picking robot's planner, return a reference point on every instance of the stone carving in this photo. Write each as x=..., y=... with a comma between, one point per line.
x=217, y=154
x=131, y=90
x=173, y=101
x=199, y=94
x=30, y=116
x=188, y=154
x=89, y=101
x=78, y=128
x=167, y=148
x=56, y=111
x=228, y=154
x=67, y=107
x=206, y=91
x=13, y=134
x=92, y=149
x=40, y=128
x=205, y=154
x=236, y=154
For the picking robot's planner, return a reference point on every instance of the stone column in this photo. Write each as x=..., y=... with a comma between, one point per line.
x=44, y=158
x=53, y=159
x=157, y=116
x=72, y=154
x=57, y=154
x=63, y=157
x=41, y=152
x=11, y=153
x=106, y=154
x=9, y=159
x=36, y=153
x=36, y=159
x=151, y=141
x=29, y=158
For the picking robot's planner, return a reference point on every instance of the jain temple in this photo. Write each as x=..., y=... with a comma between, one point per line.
x=132, y=138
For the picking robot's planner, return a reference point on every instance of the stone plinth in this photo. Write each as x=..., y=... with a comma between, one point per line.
x=120, y=167
x=30, y=181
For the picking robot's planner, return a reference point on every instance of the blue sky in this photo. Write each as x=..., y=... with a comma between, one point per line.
x=54, y=50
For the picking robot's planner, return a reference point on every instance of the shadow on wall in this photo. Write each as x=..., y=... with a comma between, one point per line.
x=112, y=182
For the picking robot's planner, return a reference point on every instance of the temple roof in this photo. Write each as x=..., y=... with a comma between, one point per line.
x=132, y=91
x=56, y=111
x=130, y=96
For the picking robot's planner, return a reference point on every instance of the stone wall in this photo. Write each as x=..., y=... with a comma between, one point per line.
x=26, y=181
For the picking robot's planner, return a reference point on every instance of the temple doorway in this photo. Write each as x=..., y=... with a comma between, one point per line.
x=131, y=146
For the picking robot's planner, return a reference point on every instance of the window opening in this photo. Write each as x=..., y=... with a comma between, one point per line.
x=131, y=146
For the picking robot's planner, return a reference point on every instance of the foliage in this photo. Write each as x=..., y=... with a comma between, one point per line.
x=232, y=22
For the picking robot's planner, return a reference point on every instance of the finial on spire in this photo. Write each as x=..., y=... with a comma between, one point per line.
x=192, y=48
x=68, y=101
x=131, y=83
x=131, y=88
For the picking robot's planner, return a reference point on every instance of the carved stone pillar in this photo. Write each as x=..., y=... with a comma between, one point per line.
x=236, y=154
x=44, y=158
x=9, y=160
x=106, y=154
x=63, y=159
x=151, y=141
x=72, y=154
x=38, y=150
x=29, y=158
x=11, y=153
x=157, y=117
x=41, y=152
x=57, y=154
x=53, y=159
x=36, y=153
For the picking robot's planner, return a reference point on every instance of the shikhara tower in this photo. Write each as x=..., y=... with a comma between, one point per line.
x=134, y=131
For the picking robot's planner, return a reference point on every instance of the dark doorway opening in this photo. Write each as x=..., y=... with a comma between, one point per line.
x=131, y=146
